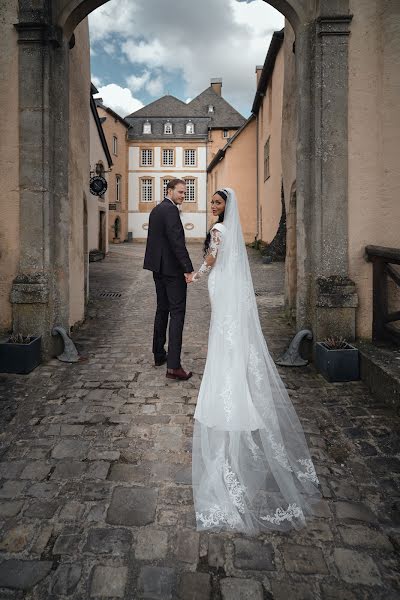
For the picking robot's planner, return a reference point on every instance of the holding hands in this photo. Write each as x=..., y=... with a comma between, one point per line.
x=189, y=277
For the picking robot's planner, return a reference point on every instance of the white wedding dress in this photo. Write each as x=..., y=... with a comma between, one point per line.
x=251, y=467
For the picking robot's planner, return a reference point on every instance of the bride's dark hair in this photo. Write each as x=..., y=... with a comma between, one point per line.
x=206, y=246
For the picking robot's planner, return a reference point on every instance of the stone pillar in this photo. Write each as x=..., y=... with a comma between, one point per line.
x=40, y=290
x=333, y=294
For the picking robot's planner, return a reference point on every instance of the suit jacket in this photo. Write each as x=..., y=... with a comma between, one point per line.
x=165, y=249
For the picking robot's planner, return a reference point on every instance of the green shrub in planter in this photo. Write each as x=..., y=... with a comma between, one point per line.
x=337, y=360
x=20, y=354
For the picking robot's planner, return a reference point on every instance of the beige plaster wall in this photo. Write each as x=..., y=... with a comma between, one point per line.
x=9, y=159
x=217, y=141
x=79, y=168
x=237, y=170
x=111, y=127
x=374, y=140
x=270, y=126
x=95, y=203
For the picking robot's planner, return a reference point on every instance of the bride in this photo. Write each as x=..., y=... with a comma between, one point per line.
x=251, y=467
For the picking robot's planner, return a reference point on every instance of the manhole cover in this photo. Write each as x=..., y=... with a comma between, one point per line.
x=109, y=295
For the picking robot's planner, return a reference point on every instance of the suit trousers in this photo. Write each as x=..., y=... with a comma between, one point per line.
x=171, y=303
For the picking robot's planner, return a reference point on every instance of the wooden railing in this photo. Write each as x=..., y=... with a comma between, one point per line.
x=382, y=260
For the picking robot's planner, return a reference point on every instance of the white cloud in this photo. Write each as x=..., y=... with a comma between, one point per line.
x=198, y=40
x=152, y=82
x=137, y=82
x=96, y=81
x=119, y=99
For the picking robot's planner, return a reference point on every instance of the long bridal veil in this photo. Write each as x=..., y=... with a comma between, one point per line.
x=251, y=467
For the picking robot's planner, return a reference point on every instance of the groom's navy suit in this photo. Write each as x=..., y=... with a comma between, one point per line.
x=167, y=257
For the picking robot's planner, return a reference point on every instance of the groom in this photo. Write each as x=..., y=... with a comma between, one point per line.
x=167, y=257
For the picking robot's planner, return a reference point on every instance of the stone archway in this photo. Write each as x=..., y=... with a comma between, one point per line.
x=321, y=30
x=71, y=12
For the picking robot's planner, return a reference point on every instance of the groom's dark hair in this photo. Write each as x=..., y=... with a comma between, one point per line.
x=171, y=185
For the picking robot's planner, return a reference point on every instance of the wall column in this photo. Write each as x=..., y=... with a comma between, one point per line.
x=333, y=294
x=40, y=294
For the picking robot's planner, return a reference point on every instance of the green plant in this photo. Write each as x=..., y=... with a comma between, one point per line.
x=335, y=342
x=18, y=338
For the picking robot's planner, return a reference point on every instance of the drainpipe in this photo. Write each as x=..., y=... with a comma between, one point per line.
x=257, y=196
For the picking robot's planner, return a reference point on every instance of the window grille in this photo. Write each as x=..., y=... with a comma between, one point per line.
x=190, y=158
x=167, y=157
x=115, y=145
x=165, y=183
x=147, y=157
x=147, y=190
x=189, y=127
x=190, y=194
x=118, y=188
x=168, y=128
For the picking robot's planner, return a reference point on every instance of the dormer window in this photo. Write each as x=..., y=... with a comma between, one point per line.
x=210, y=108
x=147, y=127
x=168, y=128
x=189, y=127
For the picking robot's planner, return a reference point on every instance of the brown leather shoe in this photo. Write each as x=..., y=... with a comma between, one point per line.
x=179, y=374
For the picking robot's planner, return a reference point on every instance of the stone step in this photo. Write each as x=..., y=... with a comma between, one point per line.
x=380, y=371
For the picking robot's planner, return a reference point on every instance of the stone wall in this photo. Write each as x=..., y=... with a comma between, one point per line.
x=288, y=147
x=79, y=90
x=374, y=134
x=9, y=160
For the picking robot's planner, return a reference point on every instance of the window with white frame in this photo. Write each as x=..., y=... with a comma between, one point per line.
x=168, y=157
x=210, y=108
x=226, y=133
x=165, y=182
x=147, y=127
x=168, y=128
x=190, y=194
x=146, y=157
x=189, y=127
x=146, y=192
x=115, y=145
x=118, y=188
x=190, y=158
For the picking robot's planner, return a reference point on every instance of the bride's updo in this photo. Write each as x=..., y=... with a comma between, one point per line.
x=224, y=195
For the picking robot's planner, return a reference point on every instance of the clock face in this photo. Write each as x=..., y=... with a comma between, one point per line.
x=98, y=185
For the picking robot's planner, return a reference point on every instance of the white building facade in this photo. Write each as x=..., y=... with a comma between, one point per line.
x=151, y=167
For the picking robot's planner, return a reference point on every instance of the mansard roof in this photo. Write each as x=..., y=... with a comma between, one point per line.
x=167, y=106
x=201, y=125
x=224, y=115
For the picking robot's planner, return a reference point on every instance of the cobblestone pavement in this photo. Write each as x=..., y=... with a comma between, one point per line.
x=95, y=497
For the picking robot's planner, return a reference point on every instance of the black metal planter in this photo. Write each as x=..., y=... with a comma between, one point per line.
x=20, y=358
x=337, y=365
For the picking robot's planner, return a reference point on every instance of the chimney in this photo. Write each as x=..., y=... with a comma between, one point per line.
x=216, y=85
x=259, y=69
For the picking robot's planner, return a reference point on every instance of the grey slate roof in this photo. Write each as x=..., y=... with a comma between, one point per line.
x=224, y=115
x=178, y=128
x=179, y=113
x=166, y=106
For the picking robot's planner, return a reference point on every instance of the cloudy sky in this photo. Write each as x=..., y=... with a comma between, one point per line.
x=143, y=49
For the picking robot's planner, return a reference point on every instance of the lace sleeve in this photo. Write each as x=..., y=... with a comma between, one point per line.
x=211, y=255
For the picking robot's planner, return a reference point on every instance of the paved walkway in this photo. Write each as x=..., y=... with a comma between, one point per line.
x=95, y=497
